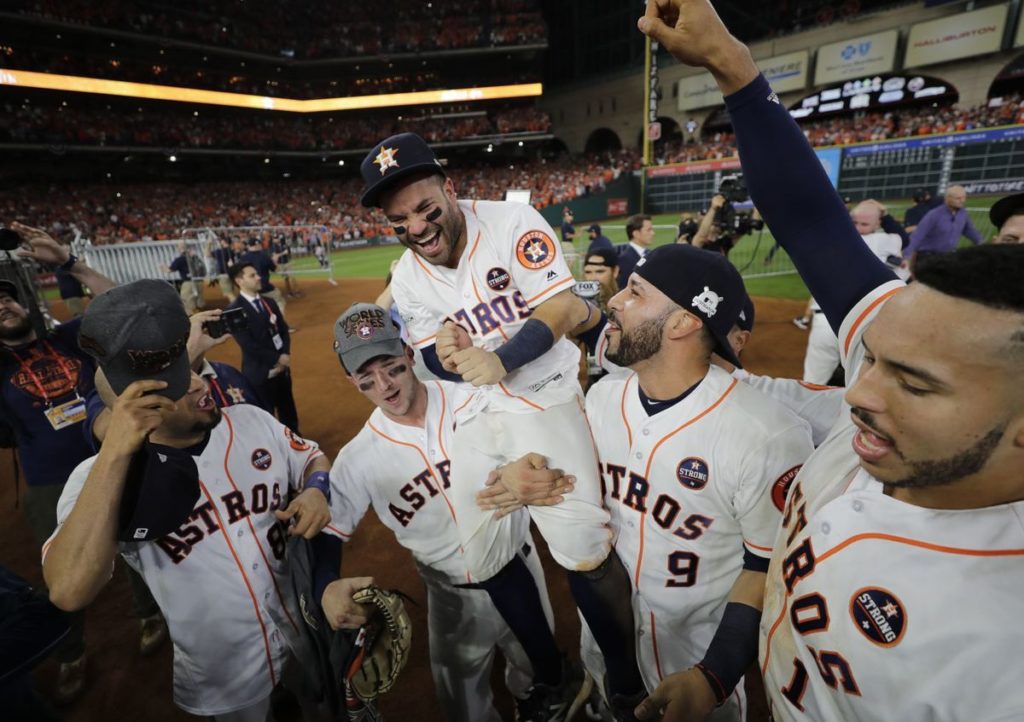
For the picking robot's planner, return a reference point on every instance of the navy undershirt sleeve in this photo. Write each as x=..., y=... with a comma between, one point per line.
x=326, y=562
x=434, y=364
x=799, y=204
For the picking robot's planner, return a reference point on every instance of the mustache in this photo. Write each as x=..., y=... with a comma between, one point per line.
x=868, y=420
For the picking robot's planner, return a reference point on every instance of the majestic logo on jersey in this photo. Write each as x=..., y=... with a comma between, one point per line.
x=535, y=250
x=498, y=279
x=879, y=615
x=48, y=373
x=296, y=441
x=386, y=159
x=261, y=459
x=708, y=302
x=692, y=473
x=781, y=487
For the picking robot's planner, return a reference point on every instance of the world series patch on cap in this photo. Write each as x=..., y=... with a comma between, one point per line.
x=139, y=331
x=364, y=332
x=391, y=160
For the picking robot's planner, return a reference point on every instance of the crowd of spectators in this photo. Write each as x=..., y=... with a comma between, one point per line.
x=174, y=127
x=111, y=213
x=862, y=128
x=311, y=30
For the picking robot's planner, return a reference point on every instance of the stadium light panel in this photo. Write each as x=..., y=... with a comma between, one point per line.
x=148, y=91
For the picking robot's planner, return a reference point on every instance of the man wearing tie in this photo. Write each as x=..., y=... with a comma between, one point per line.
x=640, y=233
x=265, y=344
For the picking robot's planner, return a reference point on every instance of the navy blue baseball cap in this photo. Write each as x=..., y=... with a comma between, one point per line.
x=746, y=318
x=391, y=160
x=702, y=282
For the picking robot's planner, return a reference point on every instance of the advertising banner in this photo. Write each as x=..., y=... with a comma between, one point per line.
x=856, y=58
x=956, y=36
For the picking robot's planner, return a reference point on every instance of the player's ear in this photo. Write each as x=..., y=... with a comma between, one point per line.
x=449, y=189
x=681, y=323
x=410, y=355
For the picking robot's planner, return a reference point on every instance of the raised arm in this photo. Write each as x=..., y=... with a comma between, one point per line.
x=43, y=248
x=786, y=181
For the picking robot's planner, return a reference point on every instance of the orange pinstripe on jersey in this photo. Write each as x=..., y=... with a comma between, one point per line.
x=867, y=312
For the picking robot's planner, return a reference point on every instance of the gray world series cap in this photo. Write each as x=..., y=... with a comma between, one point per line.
x=364, y=332
x=139, y=331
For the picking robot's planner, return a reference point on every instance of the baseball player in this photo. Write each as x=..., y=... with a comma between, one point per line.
x=200, y=514
x=695, y=468
x=398, y=464
x=485, y=294
x=902, y=540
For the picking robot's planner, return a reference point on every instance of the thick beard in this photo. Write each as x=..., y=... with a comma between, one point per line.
x=16, y=333
x=639, y=344
x=924, y=474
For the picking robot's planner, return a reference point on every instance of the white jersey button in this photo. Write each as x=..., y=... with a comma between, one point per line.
x=239, y=533
x=858, y=505
x=255, y=566
x=647, y=432
x=825, y=527
x=639, y=455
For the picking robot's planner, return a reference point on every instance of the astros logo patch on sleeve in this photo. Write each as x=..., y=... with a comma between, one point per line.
x=535, y=249
x=295, y=441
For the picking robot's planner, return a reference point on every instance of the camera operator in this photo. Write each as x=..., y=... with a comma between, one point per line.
x=44, y=380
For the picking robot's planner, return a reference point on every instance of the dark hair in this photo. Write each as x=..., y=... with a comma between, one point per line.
x=635, y=223
x=236, y=270
x=991, y=275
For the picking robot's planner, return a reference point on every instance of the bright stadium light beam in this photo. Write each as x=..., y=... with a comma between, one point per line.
x=78, y=84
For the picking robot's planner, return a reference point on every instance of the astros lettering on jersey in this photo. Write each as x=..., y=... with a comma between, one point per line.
x=219, y=577
x=689, y=489
x=491, y=294
x=863, y=587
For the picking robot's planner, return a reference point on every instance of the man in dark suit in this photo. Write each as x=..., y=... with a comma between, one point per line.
x=266, y=345
x=640, y=233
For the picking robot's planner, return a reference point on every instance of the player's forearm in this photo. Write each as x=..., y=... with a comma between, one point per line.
x=749, y=589
x=562, y=313
x=320, y=463
x=799, y=204
x=91, y=279
x=703, y=234
x=80, y=559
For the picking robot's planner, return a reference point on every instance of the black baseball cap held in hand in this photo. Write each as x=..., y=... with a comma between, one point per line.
x=161, y=490
x=391, y=160
x=139, y=331
x=702, y=282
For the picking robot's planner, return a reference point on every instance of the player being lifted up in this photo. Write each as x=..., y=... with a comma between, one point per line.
x=902, y=539
x=493, y=276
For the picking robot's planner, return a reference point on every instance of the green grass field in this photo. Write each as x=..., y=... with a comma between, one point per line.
x=774, y=279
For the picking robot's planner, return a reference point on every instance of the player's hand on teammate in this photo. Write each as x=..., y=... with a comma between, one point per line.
x=478, y=367
x=681, y=697
x=525, y=482
x=40, y=246
x=308, y=513
x=450, y=338
x=135, y=415
x=340, y=610
x=199, y=341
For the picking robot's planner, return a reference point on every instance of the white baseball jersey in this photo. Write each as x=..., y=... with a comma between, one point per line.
x=689, y=489
x=876, y=609
x=219, y=578
x=511, y=265
x=888, y=248
x=820, y=406
x=403, y=472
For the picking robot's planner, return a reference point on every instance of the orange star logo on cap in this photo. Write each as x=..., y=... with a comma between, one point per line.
x=386, y=159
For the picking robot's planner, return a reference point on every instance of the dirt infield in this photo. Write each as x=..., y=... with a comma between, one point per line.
x=124, y=685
